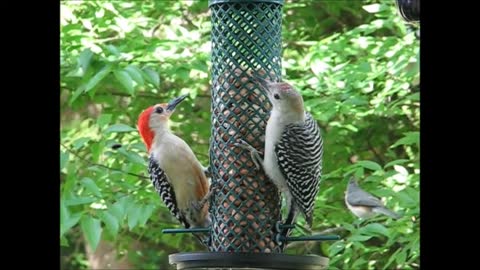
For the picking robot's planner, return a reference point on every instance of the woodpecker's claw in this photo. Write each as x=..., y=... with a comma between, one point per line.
x=200, y=204
x=253, y=152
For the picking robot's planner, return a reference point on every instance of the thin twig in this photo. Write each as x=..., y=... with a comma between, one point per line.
x=101, y=165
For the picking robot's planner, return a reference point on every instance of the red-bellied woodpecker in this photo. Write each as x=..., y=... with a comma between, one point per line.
x=174, y=170
x=293, y=149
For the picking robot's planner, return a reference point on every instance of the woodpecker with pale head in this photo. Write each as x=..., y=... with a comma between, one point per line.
x=363, y=204
x=293, y=149
x=174, y=170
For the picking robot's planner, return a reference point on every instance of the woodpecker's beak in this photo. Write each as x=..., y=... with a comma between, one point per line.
x=174, y=102
x=264, y=83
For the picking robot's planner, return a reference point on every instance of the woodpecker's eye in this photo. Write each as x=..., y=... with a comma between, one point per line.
x=159, y=110
x=276, y=96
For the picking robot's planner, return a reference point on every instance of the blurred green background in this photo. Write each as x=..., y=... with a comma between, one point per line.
x=356, y=64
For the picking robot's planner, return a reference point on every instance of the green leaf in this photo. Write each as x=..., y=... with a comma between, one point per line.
x=410, y=138
x=98, y=78
x=96, y=150
x=135, y=73
x=77, y=72
x=414, y=97
x=63, y=159
x=77, y=93
x=335, y=248
x=84, y=60
x=119, y=128
x=358, y=262
x=145, y=213
x=92, y=231
x=117, y=210
x=63, y=241
x=405, y=199
x=113, y=50
x=349, y=227
x=359, y=238
x=90, y=185
x=78, y=143
x=359, y=172
x=64, y=213
x=375, y=229
x=132, y=156
x=125, y=80
x=69, y=223
x=183, y=73
x=364, y=67
x=133, y=214
x=401, y=257
x=110, y=221
x=104, y=119
x=395, y=162
x=369, y=165
x=71, y=179
x=151, y=76
x=392, y=258
x=79, y=200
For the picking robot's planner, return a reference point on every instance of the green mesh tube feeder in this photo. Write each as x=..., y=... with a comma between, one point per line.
x=246, y=208
x=246, y=38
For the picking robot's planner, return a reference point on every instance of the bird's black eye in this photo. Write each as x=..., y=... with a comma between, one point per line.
x=159, y=110
x=276, y=96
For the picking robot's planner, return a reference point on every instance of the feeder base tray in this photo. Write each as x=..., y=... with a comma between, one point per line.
x=243, y=261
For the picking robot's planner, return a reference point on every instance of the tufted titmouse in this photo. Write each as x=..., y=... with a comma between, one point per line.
x=364, y=205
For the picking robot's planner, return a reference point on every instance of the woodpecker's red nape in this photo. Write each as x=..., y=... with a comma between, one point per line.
x=144, y=127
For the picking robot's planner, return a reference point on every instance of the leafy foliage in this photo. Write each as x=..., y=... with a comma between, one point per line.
x=356, y=63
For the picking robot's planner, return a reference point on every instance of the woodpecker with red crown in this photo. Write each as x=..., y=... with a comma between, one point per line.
x=175, y=171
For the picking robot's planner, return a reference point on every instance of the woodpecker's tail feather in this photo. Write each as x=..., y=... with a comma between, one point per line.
x=309, y=219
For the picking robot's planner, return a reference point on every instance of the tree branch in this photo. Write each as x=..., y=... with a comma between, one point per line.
x=100, y=165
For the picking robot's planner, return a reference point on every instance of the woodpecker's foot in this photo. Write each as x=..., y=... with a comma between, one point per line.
x=255, y=155
x=200, y=204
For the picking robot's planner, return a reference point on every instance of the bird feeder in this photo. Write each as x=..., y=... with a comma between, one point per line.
x=245, y=208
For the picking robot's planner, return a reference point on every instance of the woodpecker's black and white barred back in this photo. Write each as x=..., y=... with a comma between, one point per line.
x=299, y=153
x=165, y=190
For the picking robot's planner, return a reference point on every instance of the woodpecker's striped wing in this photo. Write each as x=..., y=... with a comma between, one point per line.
x=299, y=154
x=165, y=190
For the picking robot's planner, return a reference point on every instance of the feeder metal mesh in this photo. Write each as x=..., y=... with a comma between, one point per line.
x=246, y=40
